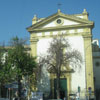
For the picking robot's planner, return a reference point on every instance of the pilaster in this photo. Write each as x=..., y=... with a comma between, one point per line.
x=33, y=44
x=68, y=77
x=88, y=62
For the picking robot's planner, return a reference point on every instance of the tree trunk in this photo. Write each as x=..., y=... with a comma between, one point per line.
x=0, y=90
x=58, y=86
x=19, y=87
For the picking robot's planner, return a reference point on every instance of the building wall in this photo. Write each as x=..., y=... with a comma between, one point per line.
x=79, y=38
x=77, y=78
x=96, y=63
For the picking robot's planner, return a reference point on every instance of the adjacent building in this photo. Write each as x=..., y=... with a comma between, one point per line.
x=96, y=67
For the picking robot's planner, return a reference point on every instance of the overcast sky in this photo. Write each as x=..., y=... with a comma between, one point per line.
x=16, y=15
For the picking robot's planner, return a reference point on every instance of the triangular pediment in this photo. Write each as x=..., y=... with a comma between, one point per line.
x=59, y=20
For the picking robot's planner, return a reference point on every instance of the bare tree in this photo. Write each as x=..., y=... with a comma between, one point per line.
x=60, y=55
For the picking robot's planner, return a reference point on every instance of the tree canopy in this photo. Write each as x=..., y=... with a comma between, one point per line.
x=19, y=58
x=17, y=62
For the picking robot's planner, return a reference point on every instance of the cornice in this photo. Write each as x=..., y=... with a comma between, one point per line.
x=54, y=16
x=61, y=27
x=42, y=21
x=74, y=18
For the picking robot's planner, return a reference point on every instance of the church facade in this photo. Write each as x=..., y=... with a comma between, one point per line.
x=77, y=29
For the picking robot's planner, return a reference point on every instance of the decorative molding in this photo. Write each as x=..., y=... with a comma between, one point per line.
x=57, y=15
x=61, y=28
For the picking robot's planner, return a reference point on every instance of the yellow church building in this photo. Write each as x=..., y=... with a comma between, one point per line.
x=78, y=29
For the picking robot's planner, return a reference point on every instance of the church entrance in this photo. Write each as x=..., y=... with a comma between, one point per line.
x=63, y=88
